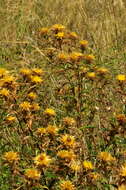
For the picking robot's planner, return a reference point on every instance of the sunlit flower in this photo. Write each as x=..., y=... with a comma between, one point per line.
x=72, y=35
x=5, y=92
x=121, y=118
x=11, y=156
x=36, y=79
x=43, y=31
x=63, y=57
x=52, y=129
x=35, y=107
x=91, y=75
x=3, y=72
x=102, y=70
x=25, y=71
x=123, y=170
x=41, y=131
x=121, y=78
x=122, y=187
x=75, y=166
x=106, y=157
x=69, y=121
x=49, y=112
x=60, y=35
x=67, y=185
x=65, y=154
x=68, y=140
x=8, y=79
x=32, y=174
x=89, y=58
x=10, y=118
x=88, y=165
x=32, y=95
x=57, y=27
x=42, y=160
x=37, y=71
x=76, y=56
x=83, y=44
x=26, y=106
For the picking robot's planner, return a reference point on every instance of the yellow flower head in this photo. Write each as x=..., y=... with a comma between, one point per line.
x=36, y=79
x=121, y=118
x=60, y=35
x=91, y=75
x=94, y=176
x=35, y=107
x=32, y=174
x=83, y=44
x=10, y=118
x=75, y=166
x=41, y=131
x=106, y=157
x=11, y=156
x=5, y=92
x=102, y=70
x=72, y=35
x=8, y=79
x=26, y=106
x=49, y=112
x=68, y=140
x=76, y=56
x=121, y=78
x=52, y=129
x=63, y=57
x=57, y=27
x=88, y=165
x=37, y=71
x=67, y=185
x=3, y=72
x=123, y=170
x=89, y=58
x=122, y=187
x=69, y=121
x=32, y=95
x=25, y=71
x=43, y=31
x=65, y=154
x=42, y=160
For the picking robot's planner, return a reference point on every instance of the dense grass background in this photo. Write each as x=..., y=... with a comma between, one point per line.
x=102, y=23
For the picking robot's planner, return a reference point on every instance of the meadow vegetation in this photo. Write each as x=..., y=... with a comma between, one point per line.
x=62, y=95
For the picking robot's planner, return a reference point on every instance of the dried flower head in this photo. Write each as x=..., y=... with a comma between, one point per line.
x=102, y=71
x=121, y=118
x=72, y=35
x=11, y=156
x=75, y=166
x=67, y=185
x=89, y=58
x=42, y=160
x=76, y=56
x=33, y=174
x=83, y=44
x=43, y=31
x=63, y=57
x=69, y=121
